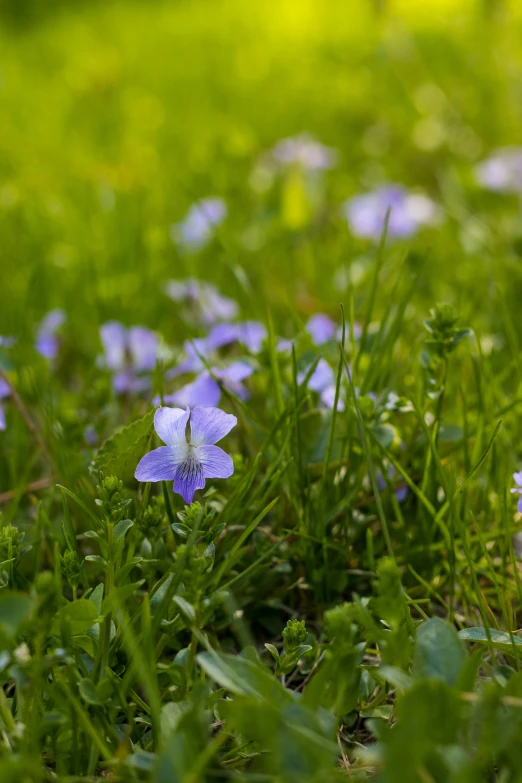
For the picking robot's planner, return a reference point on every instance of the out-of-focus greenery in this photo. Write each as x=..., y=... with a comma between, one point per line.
x=307, y=621
x=116, y=116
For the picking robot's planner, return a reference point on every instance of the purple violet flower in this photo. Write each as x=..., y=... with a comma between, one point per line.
x=517, y=478
x=196, y=350
x=366, y=214
x=188, y=462
x=322, y=381
x=47, y=343
x=127, y=354
x=304, y=151
x=502, y=172
x=251, y=334
x=284, y=345
x=204, y=298
x=5, y=391
x=206, y=390
x=357, y=331
x=197, y=227
x=203, y=391
x=321, y=328
x=401, y=493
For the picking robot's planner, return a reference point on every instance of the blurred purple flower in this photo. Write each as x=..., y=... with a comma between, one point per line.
x=90, y=435
x=251, y=334
x=305, y=151
x=188, y=461
x=357, y=331
x=209, y=304
x=401, y=493
x=203, y=391
x=206, y=390
x=517, y=478
x=322, y=381
x=196, y=350
x=197, y=227
x=128, y=353
x=47, y=343
x=366, y=214
x=5, y=391
x=284, y=345
x=502, y=171
x=321, y=328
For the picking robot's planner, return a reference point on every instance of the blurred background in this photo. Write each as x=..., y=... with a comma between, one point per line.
x=118, y=116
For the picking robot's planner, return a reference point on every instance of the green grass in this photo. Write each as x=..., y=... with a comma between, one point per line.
x=133, y=629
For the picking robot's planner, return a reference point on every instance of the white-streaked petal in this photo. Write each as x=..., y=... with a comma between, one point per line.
x=208, y=425
x=160, y=464
x=171, y=425
x=189, y=476
x=215, y=462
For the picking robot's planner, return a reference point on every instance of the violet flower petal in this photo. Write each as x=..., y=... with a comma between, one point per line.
x=189, y=477
x=143, y=347
x=215, y=462
x=321, y=328
x=235, y=372
x=5, y=389
x=203, y=391
x=161, y=464
x=322, y=377
x=222, y=334
x=328, y=398
x=114, y=339
x=252, y=334
x=171, y=425
x=208, y=425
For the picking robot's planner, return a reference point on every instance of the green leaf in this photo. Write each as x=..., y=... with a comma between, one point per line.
x=450, y=433
x=396, y=677
x=159, y=594
x=315, y=429
x=120, y=453
x=186, y=609
x=499, y=639
x=125, y=570
x=96, y=597
x=85, y=643
x=384, y=712
x=121, y=528
x=88, y=692
x=78, y=616
x=439, y=653
x=14, y=608
x=119, y=596
x=171, y=714
x=97, y=695
x=384, y=434
x=242, y=676
x=96, y=559
x=274, y=652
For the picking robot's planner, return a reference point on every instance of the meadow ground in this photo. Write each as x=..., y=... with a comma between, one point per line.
x=294, y=229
